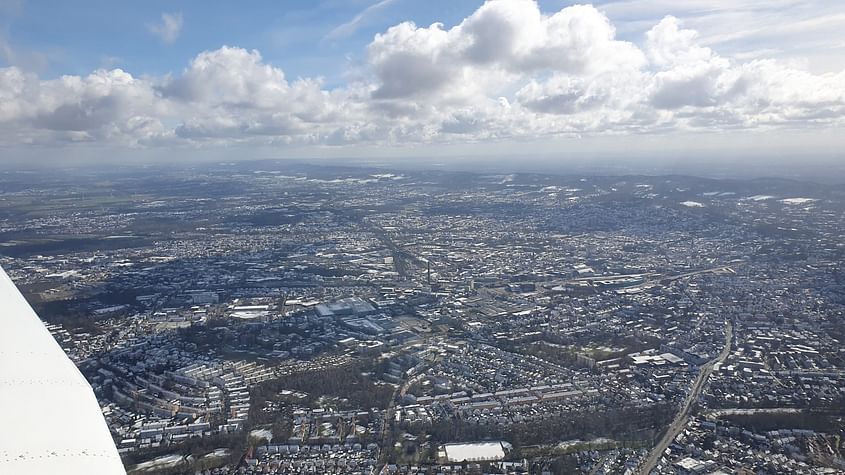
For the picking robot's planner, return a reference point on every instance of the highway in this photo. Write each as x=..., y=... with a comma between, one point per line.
x=682, y=417
x=401, y=257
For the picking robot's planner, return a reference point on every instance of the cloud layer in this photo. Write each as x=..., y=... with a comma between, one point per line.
x=508, y=71
x=169, y=28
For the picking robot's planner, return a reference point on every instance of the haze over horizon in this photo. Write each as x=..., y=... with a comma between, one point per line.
x=638, y=80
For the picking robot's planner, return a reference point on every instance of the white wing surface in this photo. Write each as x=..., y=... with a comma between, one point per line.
x=50, y=421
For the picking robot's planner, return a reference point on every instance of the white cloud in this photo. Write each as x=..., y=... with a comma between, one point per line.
x=506, y=72
x=346, y=29
x=232, y=92
x=503, y=39
x=168, y=29
x=689, y=74
x=789, y=29
x=110, y=106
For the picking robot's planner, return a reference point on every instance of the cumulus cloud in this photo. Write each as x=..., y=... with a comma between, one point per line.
x=232, y=92
x=105, y=105
x=507, y=71
x=688, y=74
x=168, y=29
x=229, y=76
x=503, y=39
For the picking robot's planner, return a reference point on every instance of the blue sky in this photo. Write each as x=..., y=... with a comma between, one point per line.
x=78, y=37
x=350, y=77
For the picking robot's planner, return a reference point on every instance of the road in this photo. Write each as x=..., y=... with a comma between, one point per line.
x=698, y=272
x=650, y=278
x=750, y=412
x=682, y=417
x=387, y=421
x=401, y=257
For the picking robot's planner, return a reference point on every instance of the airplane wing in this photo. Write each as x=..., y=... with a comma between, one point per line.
x=50, y=421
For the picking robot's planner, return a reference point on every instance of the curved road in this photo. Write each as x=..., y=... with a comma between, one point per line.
x=681, y=418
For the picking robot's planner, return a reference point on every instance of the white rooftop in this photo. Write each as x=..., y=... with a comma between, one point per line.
x=474, y=452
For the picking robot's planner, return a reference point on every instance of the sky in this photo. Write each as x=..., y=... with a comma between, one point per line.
x=164, y=80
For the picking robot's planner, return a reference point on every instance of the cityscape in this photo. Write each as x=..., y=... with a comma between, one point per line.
x=394, y=237
x=272, y=317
